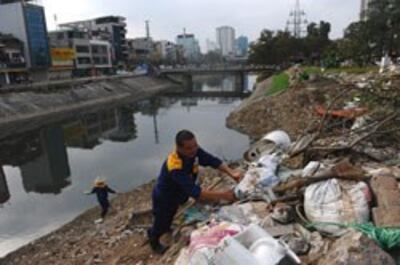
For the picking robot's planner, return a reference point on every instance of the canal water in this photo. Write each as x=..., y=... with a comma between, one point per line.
x=43, y=173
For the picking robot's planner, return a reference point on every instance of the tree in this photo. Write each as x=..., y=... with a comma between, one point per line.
x=261, y=50
x=383, y=20
x=282, y=48
x=317, y=41
x=366, y=41
x=355, y=45
x=363, y=42
x=213, y=57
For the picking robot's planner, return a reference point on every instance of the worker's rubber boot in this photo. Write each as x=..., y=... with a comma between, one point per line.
x=155, y=244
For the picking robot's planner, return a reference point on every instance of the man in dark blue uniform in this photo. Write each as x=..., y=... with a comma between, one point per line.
x=177, y=182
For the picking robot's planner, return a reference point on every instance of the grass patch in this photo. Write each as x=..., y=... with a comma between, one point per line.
x=279, y=84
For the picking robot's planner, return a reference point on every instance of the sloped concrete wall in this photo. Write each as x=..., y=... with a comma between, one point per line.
x=27, y=110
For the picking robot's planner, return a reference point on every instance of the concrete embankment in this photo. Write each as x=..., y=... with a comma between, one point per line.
x=34, y=105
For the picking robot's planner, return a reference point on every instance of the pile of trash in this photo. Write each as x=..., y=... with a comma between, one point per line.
x=336, y=210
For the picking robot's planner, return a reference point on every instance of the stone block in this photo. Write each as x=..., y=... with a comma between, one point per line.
x=388, y=198
x=386, y=217
x=379, y=183
x=356, y=249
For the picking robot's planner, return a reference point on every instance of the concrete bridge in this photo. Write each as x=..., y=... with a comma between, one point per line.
x=187, y=73
x=208, y=94
x=219, y=70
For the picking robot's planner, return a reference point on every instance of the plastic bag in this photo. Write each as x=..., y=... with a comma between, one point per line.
x=204, y=240
x=263, y=173
x=238, y=213
x=312, y=168
x=337, y=201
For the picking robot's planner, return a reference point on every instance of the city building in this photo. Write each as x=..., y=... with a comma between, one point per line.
x=90, y=57
x=101, y=57
x=180, y=54
x=12, y=60
x=79, y=42
x=364, y=9
x=167, y=51
x=242, y=46
x=212, y=46
x=140, y=50
x=191, y=47
x=226, y=40
x=27, y=22
x=62, y=63
x=110, y=28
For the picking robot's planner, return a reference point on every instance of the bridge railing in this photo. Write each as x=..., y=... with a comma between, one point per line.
x=218, y=68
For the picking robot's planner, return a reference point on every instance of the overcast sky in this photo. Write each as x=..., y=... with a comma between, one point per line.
x=201, y=17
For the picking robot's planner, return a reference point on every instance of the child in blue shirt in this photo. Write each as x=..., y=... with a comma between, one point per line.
x=101, y=190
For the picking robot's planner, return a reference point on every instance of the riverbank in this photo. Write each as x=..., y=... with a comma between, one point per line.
x=290, y=112
x=116, y=241
x=113, y=242
x=83, y=242
x=293, y=110
x=23, y=111
x=109, y=142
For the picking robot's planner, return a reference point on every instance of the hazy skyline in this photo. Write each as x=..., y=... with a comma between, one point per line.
x=201, y=17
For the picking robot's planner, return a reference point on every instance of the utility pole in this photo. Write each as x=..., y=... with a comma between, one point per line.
x=156, y=136
x=147, y=29
x=56, y=21
x=297, y=22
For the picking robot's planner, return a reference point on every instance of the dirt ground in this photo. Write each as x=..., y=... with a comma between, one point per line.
x=83, y=242
x=295, y=109
x=116, y=241
x=291, y=111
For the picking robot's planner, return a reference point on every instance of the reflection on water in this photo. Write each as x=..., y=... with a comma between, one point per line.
x=117, y=125
x=44, y=172
x=49, y=171
x=42, y=155
x=4, y=192
x=226, y=83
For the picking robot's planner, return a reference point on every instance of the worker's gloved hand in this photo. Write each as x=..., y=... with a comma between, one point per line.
x=237, y=175
x=87, y=192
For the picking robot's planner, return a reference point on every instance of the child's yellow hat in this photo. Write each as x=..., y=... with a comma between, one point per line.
x=99, y=182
